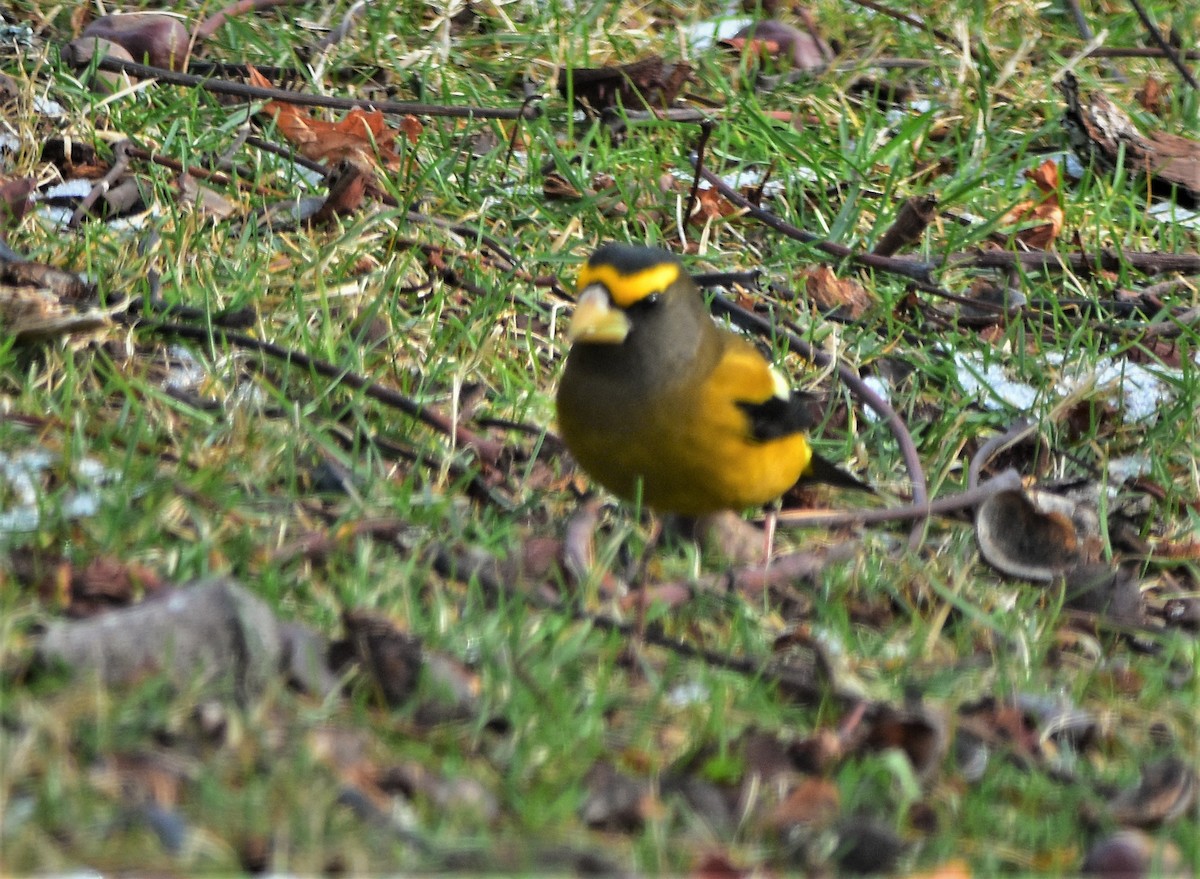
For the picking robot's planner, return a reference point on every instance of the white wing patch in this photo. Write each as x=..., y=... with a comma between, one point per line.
x=782, y=390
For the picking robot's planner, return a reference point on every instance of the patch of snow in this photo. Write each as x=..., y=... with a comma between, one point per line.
x=704, y=34
x=1169, y=212
x=882, y=388
x=995, y=390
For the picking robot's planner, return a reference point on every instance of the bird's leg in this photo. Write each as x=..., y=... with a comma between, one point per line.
x=637, y=571
x=772, y=518
x=637, y=580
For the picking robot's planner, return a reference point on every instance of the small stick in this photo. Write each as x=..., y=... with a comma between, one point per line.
x=119, y=167
x=706, y=130
x=1155, y=35
x=243, y=90
x=1009, y=480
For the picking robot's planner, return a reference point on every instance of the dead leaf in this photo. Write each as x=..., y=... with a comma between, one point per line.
x=1164, y=793
x=33, y=314
x=1132, y=854
x=362, y=135
x=79, y=54
x=556, y=186
x=1034, y=535
x=204, y=199
x=710, y=205
x=398, y=663
x=1108, y=591
x=14, y=200
x=391, y=657
x=348, y=182
x=813, y=801
x=73, y=158
x=1047, y=211
x=648, y=83
x=614, y=801
x=867, y=846
x=1152, y=94
x=833, y=295
x=717, y=865
x=153, y=38
x=1000, y=724
x=108, y=583
x=915, y=214
x=918, y=732
x=774, y=39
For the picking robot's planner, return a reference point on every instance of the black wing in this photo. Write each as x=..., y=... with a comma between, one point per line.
x=779, y=417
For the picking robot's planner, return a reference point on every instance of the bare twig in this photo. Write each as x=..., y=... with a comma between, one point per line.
x=242, y=90
x=1006, y=481
x=915, y=214
x=488, y=451
x=918, y=272
x=337, y=34
x=120, y=167
x=218, y=177
x=465, y=565
x=1156, y=35
x=462, y=229
x=1107, y=259
x=1085, y=31
x=706, y=130
x=1139, y=52
x=909, y=20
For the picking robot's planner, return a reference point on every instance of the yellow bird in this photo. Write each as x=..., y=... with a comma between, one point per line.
x=656, y=395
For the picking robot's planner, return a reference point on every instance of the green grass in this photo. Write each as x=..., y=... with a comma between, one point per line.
x=216, y=480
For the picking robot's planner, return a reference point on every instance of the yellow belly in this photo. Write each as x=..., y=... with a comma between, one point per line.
x=691, y=456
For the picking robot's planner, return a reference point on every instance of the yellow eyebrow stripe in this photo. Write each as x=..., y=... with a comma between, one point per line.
x=626, y=289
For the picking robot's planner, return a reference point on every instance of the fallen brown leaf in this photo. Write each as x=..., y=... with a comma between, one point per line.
x=1048, y=209
x=778, y=40
x=831, y=294
x=813, y=801
x=153, y=38
x=644, y=84
x=361, y=135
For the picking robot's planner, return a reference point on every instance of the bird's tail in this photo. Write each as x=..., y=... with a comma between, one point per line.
x=821, y=470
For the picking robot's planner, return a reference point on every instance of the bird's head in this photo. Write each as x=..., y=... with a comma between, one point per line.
x=622, y=284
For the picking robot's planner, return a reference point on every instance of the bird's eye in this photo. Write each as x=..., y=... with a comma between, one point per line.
x=648, y=302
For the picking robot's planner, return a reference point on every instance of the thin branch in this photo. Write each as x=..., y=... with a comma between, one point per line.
x=488, y=451
x=1156, y=35
x=120, y=167
x=1150, y=263
x=242, y=90
x=1139, y=52
x=918, y=272
x=706, y=130
x=213, y=23
x=911, y=21
x=1009, y=480
x=337, y=34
